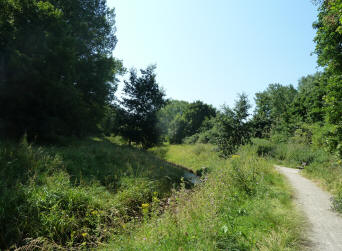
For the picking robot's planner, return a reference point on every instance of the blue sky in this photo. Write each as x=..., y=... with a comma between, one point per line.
x=211, y=50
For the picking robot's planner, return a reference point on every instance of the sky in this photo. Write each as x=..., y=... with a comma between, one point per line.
x=212, y=50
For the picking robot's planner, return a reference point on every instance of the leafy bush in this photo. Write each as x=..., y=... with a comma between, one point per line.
x=263, y=147
x=75, y=196
x=222, y=213
x=244, y=175
x=191, y=139
x=337, y=201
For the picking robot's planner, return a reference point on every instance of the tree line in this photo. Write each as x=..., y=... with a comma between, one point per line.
x=58, y=79
x=58, y=76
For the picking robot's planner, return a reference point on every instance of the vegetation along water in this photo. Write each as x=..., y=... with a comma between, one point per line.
x=83, y=167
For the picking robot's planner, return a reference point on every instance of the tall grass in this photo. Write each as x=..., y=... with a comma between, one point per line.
x=242, y=205
x=76, y=196
x=194, y=157
x=318, y=164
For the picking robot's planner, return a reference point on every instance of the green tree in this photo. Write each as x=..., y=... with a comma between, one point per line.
x=143, y=99
x=195, y=114
x=57, y=69
x=191, y=120
x=308, y=105
x=233, y=126
x=180, y=119
x=328, y=49
x=169, y=118
x=273, y=109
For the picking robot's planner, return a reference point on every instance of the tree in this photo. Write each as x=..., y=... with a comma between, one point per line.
x=273, y=108
x=169, y=118
x=329, y=51
x=181, y=119
x=308, y=105
x=57, y=82
x=195, y=114
x=143, y=99
x=233, y=126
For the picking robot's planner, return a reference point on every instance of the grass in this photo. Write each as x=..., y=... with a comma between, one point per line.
x=194, y=157
x=82, y=195
x=321, y=166
x=244, y=204
x=76, y=196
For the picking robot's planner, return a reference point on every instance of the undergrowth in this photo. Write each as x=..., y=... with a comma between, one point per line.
x=318, y=164
x=76, y=196
x=243, y=204
x=194, y=157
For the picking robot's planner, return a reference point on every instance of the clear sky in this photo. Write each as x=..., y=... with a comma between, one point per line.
x=211, y=50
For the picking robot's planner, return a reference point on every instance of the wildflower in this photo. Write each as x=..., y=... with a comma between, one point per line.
x=84, y=234
x=94, y=212
x=145, y=205
x=234, y=156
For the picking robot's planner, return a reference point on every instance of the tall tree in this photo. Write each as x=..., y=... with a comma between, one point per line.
x=273, y=108
x=189, y=120
x=169, y=117
x=233, y=126
x=143, y=99
x=56, y=66
x=308, y=105
x=329, y=51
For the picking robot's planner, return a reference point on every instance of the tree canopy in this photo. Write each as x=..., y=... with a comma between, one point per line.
x=143, y=98
x=57, y=69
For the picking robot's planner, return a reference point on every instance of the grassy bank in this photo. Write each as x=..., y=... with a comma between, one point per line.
x=320, y=165
x=194, y=157
x=242, y=205
x=76, y=196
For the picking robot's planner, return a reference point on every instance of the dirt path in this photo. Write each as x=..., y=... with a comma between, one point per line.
x=326, y=225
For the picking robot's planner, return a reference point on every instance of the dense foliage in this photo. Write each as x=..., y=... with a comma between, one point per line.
x=180, y=119
x=233, y=127
x=58, y=80
x=244, y=204
x=75, y=197
x=143, y=99
x=57, y=69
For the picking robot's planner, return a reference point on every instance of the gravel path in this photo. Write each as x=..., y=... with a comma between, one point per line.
x=326, y=225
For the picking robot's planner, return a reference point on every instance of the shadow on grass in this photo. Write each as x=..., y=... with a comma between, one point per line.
x=52, y=191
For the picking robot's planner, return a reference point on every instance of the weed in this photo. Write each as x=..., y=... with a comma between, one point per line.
x=244, y=204
x=76, y=196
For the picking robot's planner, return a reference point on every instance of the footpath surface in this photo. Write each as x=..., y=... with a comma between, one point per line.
x=325, y=225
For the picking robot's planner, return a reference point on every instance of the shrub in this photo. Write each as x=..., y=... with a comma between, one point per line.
x=74, y=197
x=263, y=147
x=337, y=201
x=191, y=139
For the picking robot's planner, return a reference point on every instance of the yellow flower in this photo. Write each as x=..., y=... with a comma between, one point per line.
x=94, y=212
x=84, y=234
x=145, y=205
x=235, y=156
